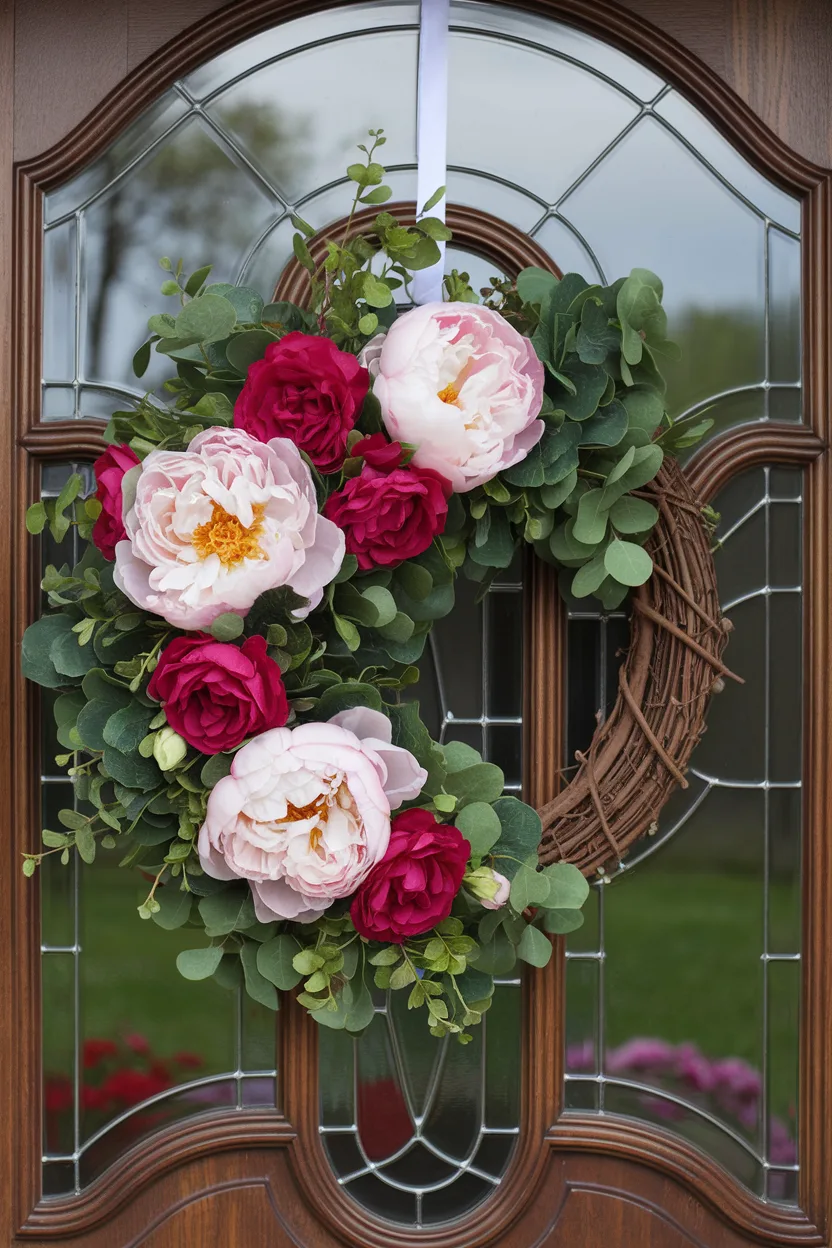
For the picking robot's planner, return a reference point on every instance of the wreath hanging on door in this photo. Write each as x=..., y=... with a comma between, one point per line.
x=266, y=555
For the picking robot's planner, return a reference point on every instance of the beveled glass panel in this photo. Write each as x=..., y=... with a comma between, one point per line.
x=675, y=217
x=695, y=1013
x=739, y=173
x=128, y=1045
x=300, y=139
x=540, y=87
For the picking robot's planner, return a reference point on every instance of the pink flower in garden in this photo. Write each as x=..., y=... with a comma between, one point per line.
x=460, y=384
x=217, y=525
x=305, y=814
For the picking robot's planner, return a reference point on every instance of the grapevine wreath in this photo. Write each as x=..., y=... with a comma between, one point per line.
x=265, y=555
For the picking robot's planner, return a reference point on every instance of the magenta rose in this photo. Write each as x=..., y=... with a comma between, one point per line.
x=389, y=516
x=109, y=471
x=414, y=885
x=307, y=390
x=215, y=694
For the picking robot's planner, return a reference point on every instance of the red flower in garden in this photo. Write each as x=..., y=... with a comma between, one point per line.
x=96, y=1050
x=57, y=1094
x=389, y=515
x=305, y=389
x=130, y=1087
x=414, y=885
x=109, y=471
x=216, y=694
x=188, y=1061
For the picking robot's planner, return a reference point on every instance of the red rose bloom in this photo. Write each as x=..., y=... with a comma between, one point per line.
x=388, y=517
x=109, y=471
x=215, y=694
x=414, y=885
x=307, y=390
x=378, y=452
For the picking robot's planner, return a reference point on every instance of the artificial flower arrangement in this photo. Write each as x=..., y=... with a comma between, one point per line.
x=267, y=554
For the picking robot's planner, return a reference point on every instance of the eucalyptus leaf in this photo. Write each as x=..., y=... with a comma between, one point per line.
x=199, y=963
x=275, y=961
x=628, y=563
x=534, y=948
x=206, y=318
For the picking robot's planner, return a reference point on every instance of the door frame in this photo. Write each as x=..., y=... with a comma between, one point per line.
x=546, y=1133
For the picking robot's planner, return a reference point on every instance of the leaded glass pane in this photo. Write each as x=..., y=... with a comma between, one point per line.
x=128, y=1045
x=683, y=1008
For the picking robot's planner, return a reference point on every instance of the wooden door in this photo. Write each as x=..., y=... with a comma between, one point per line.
x=666, y=1080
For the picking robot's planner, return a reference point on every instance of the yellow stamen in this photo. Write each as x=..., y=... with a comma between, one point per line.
x=449, y=395
x=225, y=536
x=318, y=810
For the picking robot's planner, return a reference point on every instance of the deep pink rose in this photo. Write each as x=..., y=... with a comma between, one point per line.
x=215, y=694
x=109, y=471
x=379, y=452
x=387, y=517
x=414, y=885
x=307, y=390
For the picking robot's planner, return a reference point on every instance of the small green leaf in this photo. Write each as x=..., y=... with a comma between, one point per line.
x=196, y=280
x=433, y=201
x=174, y=908
x=589, y=577
x=208, y=318
x=36, y=518
x=528, y=888
x=275, y=962
x=633, y=515
x=568, y=888
x=199, y=963
x=534, y=284
x=368, y=324
x=227, y=626
x=534, y=948
x=377, y=294
x=258, y=986
x=628, y=563
x=591, y=521
x=479, y=823
x=85, y=842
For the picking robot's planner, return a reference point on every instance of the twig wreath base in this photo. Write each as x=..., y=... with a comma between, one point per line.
x=639, y=754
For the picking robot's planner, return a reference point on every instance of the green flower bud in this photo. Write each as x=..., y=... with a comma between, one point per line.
x=169, y=749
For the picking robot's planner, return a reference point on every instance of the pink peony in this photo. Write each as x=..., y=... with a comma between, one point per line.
x=305, y=813
x=215, y=526
x=456, y=381
x=110, y=469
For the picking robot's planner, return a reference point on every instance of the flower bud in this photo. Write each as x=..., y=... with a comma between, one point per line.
x=169, y=748
x=488, y=886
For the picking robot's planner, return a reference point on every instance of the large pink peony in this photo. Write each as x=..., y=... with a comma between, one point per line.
x=213, y=527
x=305, y=814
x=456, y=381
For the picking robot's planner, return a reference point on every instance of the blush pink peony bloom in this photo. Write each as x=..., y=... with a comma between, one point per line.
x=213, y=527
x=456, y=381
x=305, y=814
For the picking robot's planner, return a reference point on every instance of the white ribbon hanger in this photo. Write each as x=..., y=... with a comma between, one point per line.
x=432, y=131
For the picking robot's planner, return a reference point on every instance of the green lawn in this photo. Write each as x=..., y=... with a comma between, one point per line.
x=682, y=964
